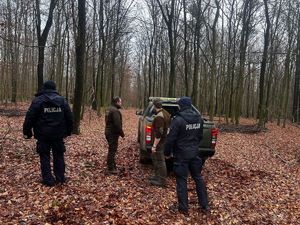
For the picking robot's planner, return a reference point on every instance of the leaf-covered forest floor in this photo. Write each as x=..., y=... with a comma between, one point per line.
x=253, y=178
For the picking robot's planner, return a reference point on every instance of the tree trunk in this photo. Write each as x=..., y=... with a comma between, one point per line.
x=230, y=66
x=186, y=47
x=287, y=64
x=100, y=69
x=196, y=59
x=80, y=59
x=214, y=62
x=150, y=63
x=262, y=103
x=123, y=72
x=296, y=100
x=169, y=20
x=42, y=39
x=68, y=61
x=114, y=50
x=12, y=52
x=271, y=82
x=245, y=33
x=95, y=76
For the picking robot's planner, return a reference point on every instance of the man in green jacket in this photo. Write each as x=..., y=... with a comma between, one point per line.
x=113, y=130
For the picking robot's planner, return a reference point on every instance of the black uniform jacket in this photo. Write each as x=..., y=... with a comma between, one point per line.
x=50, y=117
x=185, y=134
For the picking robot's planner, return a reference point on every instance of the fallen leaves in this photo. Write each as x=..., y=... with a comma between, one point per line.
x=247, y=180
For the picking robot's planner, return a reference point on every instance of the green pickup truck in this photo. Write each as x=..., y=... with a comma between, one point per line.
x=206, y=147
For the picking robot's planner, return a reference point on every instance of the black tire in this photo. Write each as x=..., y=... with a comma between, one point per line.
x=139, y=135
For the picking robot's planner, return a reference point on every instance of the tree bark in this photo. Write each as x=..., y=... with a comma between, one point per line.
x=80, y=59
x=186, y=47
x=262, y=103
x=230, y=64
x=287, y=63
x=13, y=58
x=245, y=33
x=42, y=39
x=196, y=53
x=168, y=16
x=214, y=62
x=296, y=100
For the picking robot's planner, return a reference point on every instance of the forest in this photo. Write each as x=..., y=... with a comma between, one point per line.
x=238, y=60
x=234, y=58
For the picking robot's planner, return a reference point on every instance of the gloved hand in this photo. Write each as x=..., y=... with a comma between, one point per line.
x=27, y=136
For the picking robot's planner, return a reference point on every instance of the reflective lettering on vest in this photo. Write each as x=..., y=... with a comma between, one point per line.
x=193, y=126
x=52, y=110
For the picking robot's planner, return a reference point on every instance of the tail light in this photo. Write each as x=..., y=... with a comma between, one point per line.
x=214, y=135
x=148, y=130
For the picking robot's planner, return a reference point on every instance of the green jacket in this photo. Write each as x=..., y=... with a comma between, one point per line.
x=113, y=122
x=160, y=124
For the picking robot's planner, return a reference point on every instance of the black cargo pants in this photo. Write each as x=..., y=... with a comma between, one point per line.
x=112, y=150
x=58, y=149
x=181, y=170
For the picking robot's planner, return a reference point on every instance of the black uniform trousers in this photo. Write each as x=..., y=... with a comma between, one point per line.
x=112, y=150
x=58, y=149
x=181, y=170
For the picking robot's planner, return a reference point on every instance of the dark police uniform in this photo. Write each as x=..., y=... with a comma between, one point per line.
x=51, y=119
x=113, y=130
x=182, y=142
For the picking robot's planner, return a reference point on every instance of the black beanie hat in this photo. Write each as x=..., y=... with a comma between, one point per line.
x=50, y=84
x=185, y=102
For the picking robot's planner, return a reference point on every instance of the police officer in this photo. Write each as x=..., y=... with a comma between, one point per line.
x=182, y=142
x=51, y=119
x=160, y=127
x=113, y=130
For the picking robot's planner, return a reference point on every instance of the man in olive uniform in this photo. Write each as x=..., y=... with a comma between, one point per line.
x=160, y=127
x=113, y=130
x=51, y=119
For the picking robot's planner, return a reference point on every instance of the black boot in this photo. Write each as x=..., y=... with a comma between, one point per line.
x=158, y=182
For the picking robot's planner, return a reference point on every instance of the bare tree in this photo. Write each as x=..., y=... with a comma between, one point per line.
x=42, y=38
x=231, y=60
x=288, y=58
x=186, y=47
x=247, y=22
x=80, y=59
x=12, y=51
x=296, y=101
x=274, y=46
x=229, y=67
x=168, y=13
x=198, y=14
x=213, y=46
x=262, y=103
